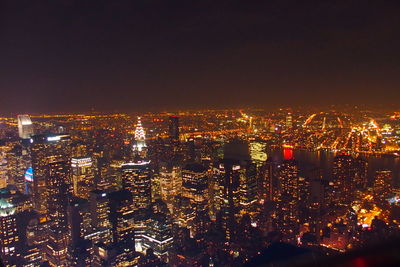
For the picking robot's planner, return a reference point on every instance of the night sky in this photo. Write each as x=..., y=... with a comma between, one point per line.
x=138, y=55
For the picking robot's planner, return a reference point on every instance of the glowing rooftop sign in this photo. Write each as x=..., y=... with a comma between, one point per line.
x=29, y=175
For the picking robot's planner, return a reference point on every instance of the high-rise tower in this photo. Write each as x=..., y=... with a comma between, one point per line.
x=139, y=146
x=136, y=178
x=25, y=126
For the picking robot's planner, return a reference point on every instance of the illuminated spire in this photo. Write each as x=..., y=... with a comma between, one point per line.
x=140, y=137
x=139, y=132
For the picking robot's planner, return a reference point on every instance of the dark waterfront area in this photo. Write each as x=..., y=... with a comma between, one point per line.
x=309, y=161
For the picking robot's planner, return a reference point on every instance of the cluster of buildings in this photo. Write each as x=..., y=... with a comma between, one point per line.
x=109, y=198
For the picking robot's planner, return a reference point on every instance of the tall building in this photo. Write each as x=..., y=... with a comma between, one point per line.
x=173, y=128
x=344, y=176
x=25, y=126
x=170, y=177
x=139, y=146
x=99, y=209
x=4, y=173
x=195, y=185
x=122, y=222
x=18, y=162
x=383, y=188
x=361, y=169
x=8, y=233
x=59, y=174
x=47, y=149
x=268, y=188
x=158, y=235
x=82, y=176
x=234, y=186
x=226, y=176
x=136, y=178
x=288, y=199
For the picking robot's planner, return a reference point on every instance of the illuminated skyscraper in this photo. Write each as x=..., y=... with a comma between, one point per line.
x=170, y=177
x=82, y=176
x=99, y=209
x=139, y=146
x=59, y=173
x=383, y=184
x=25, y=126
x=136, y=178
x=288, y=199
x=79, y=222
x=226, y=176
x=58, y=176
x=122, y=221
x=195, y=185
x=344, y=176
x=361, y=168
x=3, y=167
x=8, y=233
x=173, y=128
x=158, y=235
x=47, y=149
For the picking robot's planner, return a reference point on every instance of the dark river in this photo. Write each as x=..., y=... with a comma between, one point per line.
x=308, y=161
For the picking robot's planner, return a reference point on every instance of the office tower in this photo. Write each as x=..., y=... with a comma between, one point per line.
x=82, y=176
x=25, y=126
x=122, y=221
x=288, y=199
x=136, y=178
x=158, y=235
x=59, y=173
x=343, y=183
x=79, y=232
x=99, y=209
x=316, y=204
x=195, y=185
x=226, y=194
x=18, y=162
x=183, y=212
x=139, y=145
x=99, y=206
x=383, y=184
x=248, y=192
x=173, y=128
x=113, y=255
x=79, y=220
x=102, y=174
x=170, y=177
x=268, y=182
x=361, y=169
x=47, y=149
x=8, y=233
x=4, y=180
x=56, y=248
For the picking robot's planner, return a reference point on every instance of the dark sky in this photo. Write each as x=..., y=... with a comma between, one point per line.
x=63, y=55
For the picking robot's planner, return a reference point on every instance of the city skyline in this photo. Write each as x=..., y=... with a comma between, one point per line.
x=198, y=188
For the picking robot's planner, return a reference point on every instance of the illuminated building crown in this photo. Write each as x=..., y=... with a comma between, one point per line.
x=139, y=132
x=140, y=137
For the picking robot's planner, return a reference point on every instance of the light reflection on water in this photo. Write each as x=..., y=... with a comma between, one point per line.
x=309, y=160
